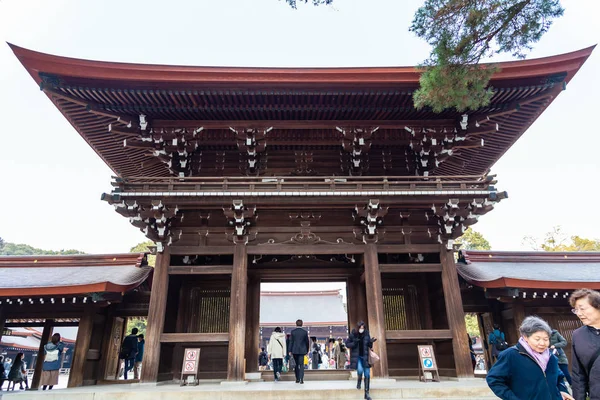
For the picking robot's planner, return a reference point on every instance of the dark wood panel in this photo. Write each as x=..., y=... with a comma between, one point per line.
x=194, y=338
x=427, y=334
x=402, y=268
x=200, y=269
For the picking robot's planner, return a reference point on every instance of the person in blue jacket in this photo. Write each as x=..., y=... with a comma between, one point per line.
x=528, y=370
x=52, y=362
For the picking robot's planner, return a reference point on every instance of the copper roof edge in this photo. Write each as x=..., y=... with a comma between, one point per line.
x=35, y=61
x=532, y=256
x=77, y=260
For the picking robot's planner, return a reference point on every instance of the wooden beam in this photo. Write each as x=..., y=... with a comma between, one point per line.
x=237, y=314
x=428, y=334
x=408, y=248
x=301, y=124
x=405, y=268
x=270, y=249
x=39, y=361
x=200, y=250
x=357, y=301
x=375, y=308
x=156, y=316
x=456, y=314
x=194, y=338
x=200, y=269
x=253, y=324
x=82, y=345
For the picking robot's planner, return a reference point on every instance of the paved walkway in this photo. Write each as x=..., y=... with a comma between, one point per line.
x=312, y=390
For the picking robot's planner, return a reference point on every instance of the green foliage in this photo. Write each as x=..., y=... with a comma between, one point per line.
x=139, y=323
x=462, y=32
x=473, y=240
x=12, y=249
x=143, y=247
x=472, y=325
x=293, y=3
x=556, y=240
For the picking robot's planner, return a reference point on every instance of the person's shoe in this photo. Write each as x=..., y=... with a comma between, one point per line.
x=302, y=382
x=367, y=387
x=297, y=381
x=278, y=375
x=359, y=382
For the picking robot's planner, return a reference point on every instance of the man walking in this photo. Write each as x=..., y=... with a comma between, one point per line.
x=129, y=350
x=299, y=347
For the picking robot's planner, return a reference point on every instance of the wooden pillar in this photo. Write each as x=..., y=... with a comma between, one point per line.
x=456, y=315
x=237, y=314
x=357, y=303
x=2, y=320
x=39, y=362
x=156, y=316
x=253, y=324
x=518, y=315
x=82, y=345
x=375, y=308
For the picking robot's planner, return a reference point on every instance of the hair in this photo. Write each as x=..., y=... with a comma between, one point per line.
x=18, y=358
x=1, y=358
x=593, y=297
x=134, y=331
x=313, y=338
x=532, y=325
x=496, y=326
x=361, y=323
x=56, y=338
x=262, y=348
x=141, y=336
x=299, y=322
x=278, y=330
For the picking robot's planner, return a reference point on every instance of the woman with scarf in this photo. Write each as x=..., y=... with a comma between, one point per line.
x=360, y=342
x=528, y=370
x=51, y=367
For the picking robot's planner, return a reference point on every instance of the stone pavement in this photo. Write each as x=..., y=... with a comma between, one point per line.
x=472, y=389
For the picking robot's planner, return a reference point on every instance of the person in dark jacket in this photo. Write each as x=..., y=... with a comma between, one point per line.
x=497, y=341
x=315, y=353
x=557, y=343
x=528, y=370
x=299, y=347
x=52, y=358
x=18, y=373
x=139, y=357
x=586, y=345
x=129, y=350
x=2, y=372
x=359, y=342
x=263, y=359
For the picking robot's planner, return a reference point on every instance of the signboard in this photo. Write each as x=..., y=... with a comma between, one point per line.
x=191, y=358
x=428, y=370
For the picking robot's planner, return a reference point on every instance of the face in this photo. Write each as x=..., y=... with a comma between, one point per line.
x=539, y=341
x=361, y=329
x=586, y=313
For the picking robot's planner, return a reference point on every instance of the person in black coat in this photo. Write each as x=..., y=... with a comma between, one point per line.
x=359, y=342
x=299, y=347
x=586, y=345
x=528, y=370
x=129, y=350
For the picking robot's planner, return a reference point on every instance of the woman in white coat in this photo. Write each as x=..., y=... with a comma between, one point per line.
x=277, y=350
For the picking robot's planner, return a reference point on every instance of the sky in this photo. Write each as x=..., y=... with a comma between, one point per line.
x=52, y=180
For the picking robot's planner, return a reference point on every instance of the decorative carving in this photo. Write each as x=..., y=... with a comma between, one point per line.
x=240, y=218
x=356, y=142
x=370, y=218
x=154, y=220
x=251, y=143
x=432, y=146
x=304, y=160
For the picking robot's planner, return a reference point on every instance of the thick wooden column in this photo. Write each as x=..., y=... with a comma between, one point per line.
x=237, y=314
x=2, y=320
x=39, y=361
x=82, y=345
x=518, y=315
x=456, y=315
x=375, y=308
x=357, y=302
x=253, y=324
x=156, y=316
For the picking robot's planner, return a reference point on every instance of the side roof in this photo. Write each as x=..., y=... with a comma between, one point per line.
x=531, y=270
x=71, y=274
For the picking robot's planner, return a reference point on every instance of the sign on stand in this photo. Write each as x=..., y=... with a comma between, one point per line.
x=189, y=369
x=428, y=369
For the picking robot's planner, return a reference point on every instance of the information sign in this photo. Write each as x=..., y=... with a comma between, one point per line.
x=428, y=369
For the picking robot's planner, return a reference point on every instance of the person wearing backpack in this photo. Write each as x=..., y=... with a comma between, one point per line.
x=51, y=366
x=263, y=359
x=586, y=345
x=277, y=349
x=129, y=350
x=497, y=341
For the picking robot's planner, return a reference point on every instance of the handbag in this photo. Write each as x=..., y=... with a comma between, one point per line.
x=292, y=363
x=373, y=357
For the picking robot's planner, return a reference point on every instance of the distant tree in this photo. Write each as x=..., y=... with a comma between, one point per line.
x=293, y=3
x=1, y=243
x=143, y=247
x=473, y=240
x=472, y=325
x=139, y=323
x=557, y=240
x=12, y=249
x=463, y=32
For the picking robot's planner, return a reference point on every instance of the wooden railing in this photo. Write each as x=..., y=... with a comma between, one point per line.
x=313, y=183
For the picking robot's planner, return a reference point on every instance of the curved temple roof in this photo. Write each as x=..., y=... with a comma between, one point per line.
x=531, y=270
x=93, y=94
x=70, y=275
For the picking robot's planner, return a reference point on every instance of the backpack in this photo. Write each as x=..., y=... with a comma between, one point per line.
x=51, y=355
x=499, y=343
